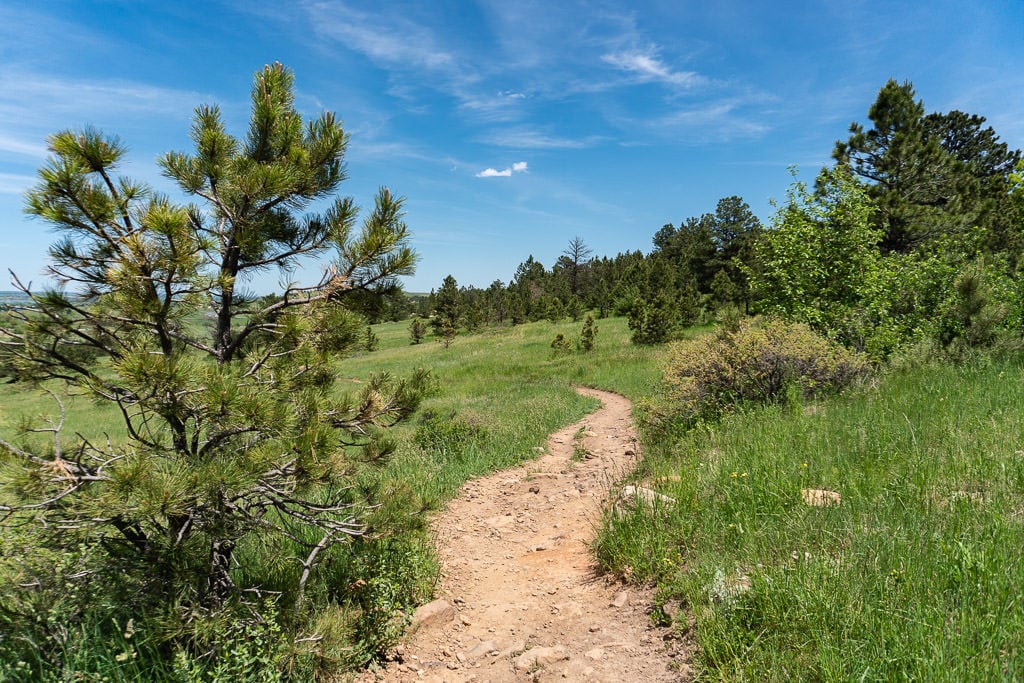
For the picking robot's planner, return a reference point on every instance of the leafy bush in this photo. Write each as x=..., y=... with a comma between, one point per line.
x=377, y=583
x=707, y=376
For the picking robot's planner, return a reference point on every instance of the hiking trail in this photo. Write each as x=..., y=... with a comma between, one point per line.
x=521, y=597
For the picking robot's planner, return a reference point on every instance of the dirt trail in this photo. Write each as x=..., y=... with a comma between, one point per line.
x=520, y=597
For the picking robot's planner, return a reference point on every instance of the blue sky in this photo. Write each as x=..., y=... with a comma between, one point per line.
x=510, y=127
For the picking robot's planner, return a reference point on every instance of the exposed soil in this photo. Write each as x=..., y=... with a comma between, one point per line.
x=521, y=596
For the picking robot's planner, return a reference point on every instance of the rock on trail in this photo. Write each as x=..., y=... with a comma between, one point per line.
x=521, y=597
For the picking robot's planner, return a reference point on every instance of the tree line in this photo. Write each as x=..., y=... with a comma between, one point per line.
x=915, y=233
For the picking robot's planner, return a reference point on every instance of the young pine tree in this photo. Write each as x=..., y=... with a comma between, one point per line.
x=232, y=435
x=417, y=330
x=588, y=335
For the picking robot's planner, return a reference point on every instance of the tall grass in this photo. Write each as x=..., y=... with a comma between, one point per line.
x=914, y=575
x=500, y=394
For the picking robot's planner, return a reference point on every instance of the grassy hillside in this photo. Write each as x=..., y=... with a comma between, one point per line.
x=913, y=570
x=912, y=573
x=499, y=394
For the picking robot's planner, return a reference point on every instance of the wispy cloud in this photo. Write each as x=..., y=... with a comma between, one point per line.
x=503, y=106
x=712, y=121
x=524, y=138
x=646, y=67
x=28, y=148
x=32, y=94
x=12, y=183
x=517, y=167
x=386, y=38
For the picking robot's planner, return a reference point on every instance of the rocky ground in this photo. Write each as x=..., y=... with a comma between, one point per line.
x=521, y=597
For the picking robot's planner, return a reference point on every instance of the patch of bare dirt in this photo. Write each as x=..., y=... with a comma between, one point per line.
x=521, y=597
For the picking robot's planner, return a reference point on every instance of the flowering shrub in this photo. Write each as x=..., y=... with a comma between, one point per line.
x=759, y=363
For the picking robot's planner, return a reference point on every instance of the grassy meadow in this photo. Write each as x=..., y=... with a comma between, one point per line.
x=914, y=573
x=499, y=394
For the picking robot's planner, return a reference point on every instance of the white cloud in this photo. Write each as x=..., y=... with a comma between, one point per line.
x=517, y=167
x=647, y=67
x=494, y=173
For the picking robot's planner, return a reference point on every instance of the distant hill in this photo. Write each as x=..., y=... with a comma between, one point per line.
x=13, y=297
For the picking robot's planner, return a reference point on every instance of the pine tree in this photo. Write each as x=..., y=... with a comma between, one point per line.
x=232, y=435
x=915, y=183
x=588, y=335
x=417, y=330
x=447, y=306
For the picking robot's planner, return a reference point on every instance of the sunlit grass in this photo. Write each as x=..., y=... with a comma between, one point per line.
x=914, y=575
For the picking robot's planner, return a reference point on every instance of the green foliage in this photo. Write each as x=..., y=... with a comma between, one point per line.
x=448, y=433
x=446, y=333
x=912, y=575
x=447, y=307
x=821, y=254
x=930, y=175
x=560, y=344
x=370, y=340
x=710, y=375
x=231, y=436
x=822, y=265
x=251, y=650
x=973, y=314
x=417, y=330
x=723, y=289
x=384, y=580
x=588, y=335
x=653, y=321
x=554, y=309
x=61, y=625
x=574, y=309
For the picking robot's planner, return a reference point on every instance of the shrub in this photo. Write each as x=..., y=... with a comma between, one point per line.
x=588, y=334
x=707, y=376
x=417, y=330
x=448, y=433
x=653, y=321
x=560, y=343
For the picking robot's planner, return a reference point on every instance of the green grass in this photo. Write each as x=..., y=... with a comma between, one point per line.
x=500, y=394
x=916, y=574
x=509, y=383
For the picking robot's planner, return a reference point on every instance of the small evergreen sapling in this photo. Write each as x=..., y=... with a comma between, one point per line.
x=417, y=330
x=233, y=438
x=371, y=342
x=588, y=335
